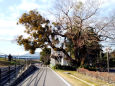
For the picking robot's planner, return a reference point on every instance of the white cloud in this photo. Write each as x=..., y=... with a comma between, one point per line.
x=5, y=40
x=8, y=25
x=8, y=28
x=107, y=3
x=28, y=5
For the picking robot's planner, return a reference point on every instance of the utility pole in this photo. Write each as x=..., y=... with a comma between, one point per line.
x=108, y=49
x=107, y=61
x=5, y=56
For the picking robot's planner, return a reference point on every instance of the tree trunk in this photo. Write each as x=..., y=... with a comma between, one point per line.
x=82, y=61
x=77, y=57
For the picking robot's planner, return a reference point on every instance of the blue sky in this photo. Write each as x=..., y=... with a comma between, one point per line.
x=11, y=10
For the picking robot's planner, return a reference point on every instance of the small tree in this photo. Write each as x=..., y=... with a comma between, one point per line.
x=113, y=54
x=45, y=56
x=10, y=57
x=112, y=59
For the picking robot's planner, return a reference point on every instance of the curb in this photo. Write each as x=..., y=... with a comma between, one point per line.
x=60, y=77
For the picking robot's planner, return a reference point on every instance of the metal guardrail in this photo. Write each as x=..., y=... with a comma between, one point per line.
x=7, y=74
x=30, y=69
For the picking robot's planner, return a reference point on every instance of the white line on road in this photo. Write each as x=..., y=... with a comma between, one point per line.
x=61, y=78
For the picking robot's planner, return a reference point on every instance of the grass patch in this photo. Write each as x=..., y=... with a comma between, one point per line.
x=76, y=82
x=4, y=62
x=71, y=80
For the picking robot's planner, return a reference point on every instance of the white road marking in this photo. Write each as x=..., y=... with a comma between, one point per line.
x=61, y=78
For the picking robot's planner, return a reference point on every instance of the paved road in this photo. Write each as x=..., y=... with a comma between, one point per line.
x=43, y=77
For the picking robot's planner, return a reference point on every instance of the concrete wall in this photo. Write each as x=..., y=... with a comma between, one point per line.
x=24, y=75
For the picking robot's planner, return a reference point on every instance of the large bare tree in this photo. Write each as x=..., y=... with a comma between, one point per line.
x=76, y=22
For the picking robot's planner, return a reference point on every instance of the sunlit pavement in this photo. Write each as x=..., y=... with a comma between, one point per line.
x=43, y=77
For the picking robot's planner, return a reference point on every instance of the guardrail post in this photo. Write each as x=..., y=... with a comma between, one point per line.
x=20, y=68
x=15, y=70
x=9, y=73
x=0, y=77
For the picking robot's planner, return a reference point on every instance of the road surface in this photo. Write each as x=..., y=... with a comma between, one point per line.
x=43, y=77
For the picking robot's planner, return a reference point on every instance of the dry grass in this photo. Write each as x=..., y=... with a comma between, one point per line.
x=95, y=81
x=4, y=62
x=76, y=82
x=71, y=80
x=98, y=77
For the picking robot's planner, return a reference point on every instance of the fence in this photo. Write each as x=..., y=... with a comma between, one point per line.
x=8, y=74
x=11, y=73
x=25, y=74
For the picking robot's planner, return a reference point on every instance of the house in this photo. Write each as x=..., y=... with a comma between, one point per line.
x=58, y=57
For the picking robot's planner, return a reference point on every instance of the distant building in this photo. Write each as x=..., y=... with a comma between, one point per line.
x=58, y=57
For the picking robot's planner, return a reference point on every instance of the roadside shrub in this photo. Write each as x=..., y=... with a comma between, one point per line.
x=57, y=66
x=91, y=68
x=64, y=67
x=112, y=62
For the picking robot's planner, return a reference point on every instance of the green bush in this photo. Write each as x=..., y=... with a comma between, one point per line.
x=112, y=62
x=64, y=67
x=91, y=68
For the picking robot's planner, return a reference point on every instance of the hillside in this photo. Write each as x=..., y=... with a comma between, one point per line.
x=36, y=55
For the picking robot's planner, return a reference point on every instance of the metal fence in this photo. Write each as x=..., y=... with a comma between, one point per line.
x=8, y=74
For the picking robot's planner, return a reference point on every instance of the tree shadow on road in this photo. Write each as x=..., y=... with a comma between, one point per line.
x=24, y=75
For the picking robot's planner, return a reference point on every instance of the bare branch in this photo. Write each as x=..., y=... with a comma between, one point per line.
x=91, y=15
